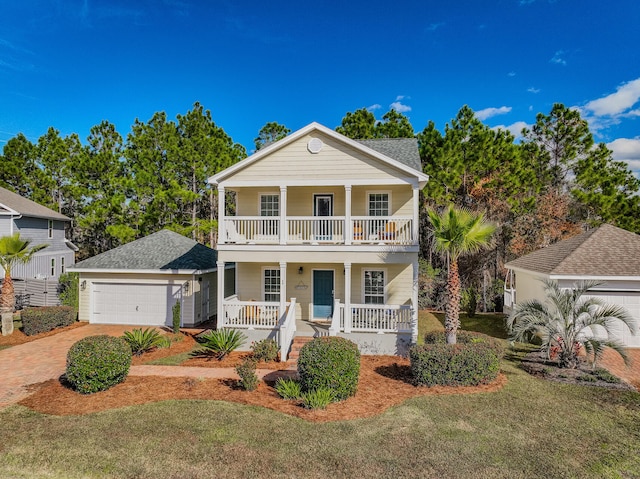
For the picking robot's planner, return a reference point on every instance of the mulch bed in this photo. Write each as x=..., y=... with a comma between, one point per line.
x=537, y=364
x=18, y=337
x=384, y=382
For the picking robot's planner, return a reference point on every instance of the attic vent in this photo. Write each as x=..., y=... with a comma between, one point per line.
x=314, y=145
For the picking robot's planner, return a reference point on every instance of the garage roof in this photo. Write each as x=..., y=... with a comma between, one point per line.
x=162, y=252
x=603, y=251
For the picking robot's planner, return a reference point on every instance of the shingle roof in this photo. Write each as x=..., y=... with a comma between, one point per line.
x=604, y=251
x=404, y=150
x=164, y=250
x=26, y=207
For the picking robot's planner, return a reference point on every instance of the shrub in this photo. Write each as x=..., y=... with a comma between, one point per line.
x=265, y=350
x=175, y=310
x=474, y=360
x=96, y=363
x=604, y=375
x=332, y=363
x=288, y=388
x=318, y=398
x=68, y=289
x=46, y=318
x=222, y=341
x=143, y=340
x=247, y=372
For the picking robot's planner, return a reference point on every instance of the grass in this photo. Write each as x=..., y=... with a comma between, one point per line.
x=486, y=323
x=530, y=428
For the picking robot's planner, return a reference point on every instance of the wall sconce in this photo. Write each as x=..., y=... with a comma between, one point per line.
x=83, y=285
x=300, y=270
x=186, y=287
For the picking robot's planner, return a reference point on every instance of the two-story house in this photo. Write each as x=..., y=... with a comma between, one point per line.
x=324, y=234
x=41, y=225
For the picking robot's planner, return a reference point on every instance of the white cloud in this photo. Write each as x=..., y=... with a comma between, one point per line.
x=402, y=97
x=530, y=107
x=515, y=128
x=511, y=74
x=375, y=106
x=399, y=107
x=557, y=58
x=625, y=97
x=625, y=149
x=489, y=112
x=533, y=90
x=526, y=2
x=434, y=26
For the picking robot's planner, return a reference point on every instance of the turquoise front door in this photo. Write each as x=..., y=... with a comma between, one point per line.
x=322, y=294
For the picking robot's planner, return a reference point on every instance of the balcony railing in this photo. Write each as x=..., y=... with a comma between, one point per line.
x=396, y=230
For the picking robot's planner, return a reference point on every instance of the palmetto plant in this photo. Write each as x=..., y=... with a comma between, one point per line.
x=13, y=250
x=222, y=341
x=143, y=340
x=568, y=321
x=457, y=232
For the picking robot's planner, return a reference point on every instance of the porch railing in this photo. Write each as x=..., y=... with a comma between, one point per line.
x=379, y=318
x=287, y=330
x=251, y=314
x=509, y=298
x=319, y=229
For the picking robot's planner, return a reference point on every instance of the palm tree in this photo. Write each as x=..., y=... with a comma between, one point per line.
x=567, y=322
x=13, y=250
x=457, y=232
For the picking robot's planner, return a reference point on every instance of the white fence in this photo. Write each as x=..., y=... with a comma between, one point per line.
x=379, y=318
x=250, y=314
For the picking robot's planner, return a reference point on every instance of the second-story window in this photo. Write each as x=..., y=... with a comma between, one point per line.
x=269, y=205
x=50, y=227
x=378, y=204
x=62, y=268
x=53, y=267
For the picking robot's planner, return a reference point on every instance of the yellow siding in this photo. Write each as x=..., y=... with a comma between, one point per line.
x=334, y=162
x=401, y=199
x=529, y=287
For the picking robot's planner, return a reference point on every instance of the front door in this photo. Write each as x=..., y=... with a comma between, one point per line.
x=322, y=294
x=323, y=206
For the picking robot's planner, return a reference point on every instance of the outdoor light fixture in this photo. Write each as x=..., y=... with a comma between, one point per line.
x=83, y=285
x=300, y=270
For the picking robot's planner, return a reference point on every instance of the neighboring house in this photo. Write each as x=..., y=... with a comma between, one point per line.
x=41, y=225
x=138, y=283
x=325, y=240
x=607, y=254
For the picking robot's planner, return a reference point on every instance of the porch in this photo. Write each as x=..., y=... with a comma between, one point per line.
x=268, y=319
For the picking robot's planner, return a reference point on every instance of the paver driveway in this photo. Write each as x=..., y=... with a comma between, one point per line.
x=42, y=359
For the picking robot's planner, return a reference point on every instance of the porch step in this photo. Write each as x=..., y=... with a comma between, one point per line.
x=296, y=346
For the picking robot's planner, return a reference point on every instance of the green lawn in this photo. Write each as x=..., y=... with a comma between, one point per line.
x=531, y=428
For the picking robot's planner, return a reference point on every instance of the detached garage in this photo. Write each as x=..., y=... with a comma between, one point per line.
x=606, y=254
x=140, y=282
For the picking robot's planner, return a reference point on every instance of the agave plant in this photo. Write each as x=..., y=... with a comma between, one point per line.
x=222, y=341
x=143, y=340
x=567, y=322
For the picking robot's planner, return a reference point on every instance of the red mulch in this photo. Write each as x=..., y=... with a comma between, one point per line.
x=18, y=337
x=383, y=384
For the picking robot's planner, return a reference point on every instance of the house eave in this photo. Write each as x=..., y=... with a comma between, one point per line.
x=573, y=277
x=141, y=271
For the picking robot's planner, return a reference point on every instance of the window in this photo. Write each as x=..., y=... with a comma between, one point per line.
x=272, y=285
x=53, y=266
x=50, y=226
x=269, y=205
x=379, y=204
x=62, y=265
x=374, y=286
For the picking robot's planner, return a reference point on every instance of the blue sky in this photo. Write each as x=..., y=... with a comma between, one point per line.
x=71, y=64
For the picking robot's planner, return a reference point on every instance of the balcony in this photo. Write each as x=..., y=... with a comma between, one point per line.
x=314, y=230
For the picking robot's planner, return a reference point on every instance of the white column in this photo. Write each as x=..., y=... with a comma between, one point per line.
x=220, y=294
x=415, y=231
x=221, y=216
x=284, y=227
x=347, y=297
x=414, y=304
x=348, y=227
x=283, y=288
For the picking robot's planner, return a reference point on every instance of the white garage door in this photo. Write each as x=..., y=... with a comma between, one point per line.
x=143, y=304
x=631, y=302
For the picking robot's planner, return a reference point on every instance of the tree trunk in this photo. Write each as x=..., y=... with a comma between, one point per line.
x=7, y=296
x=452, y=308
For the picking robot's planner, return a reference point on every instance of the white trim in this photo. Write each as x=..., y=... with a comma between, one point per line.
x=311, y=305
x=264, y=293
x=49, y=229
x=260, y=195
x=230, y=185
x=221, y=176
x=52, y=268
x=376, y=248
x=140, y=271
x=313, y=202
x=63, y=270
x=362, y=285
x=10, y=211
x=572, y=277
x=367, y=195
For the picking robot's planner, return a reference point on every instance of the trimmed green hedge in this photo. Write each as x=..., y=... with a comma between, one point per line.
x=330, y=363
x=96, y=363
x=475, y=359
x=46, y=318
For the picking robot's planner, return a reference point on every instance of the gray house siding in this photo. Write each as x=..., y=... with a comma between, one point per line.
x=5, y=225
x=37, y=230
x=40, y=265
